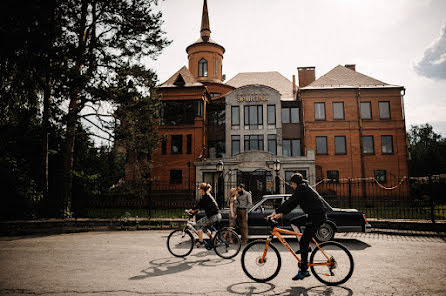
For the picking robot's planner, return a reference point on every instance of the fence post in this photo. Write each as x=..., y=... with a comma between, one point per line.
x=349, y=193
x=431, y=199
x=150, y=198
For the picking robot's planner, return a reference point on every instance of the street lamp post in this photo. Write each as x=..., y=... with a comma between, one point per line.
x=220, y=190
x=276, y=167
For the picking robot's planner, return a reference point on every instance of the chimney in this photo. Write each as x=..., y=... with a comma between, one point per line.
x=351, y=67
x=306, y=75
x=294, y=85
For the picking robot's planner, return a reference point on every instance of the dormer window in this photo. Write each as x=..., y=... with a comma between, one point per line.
x=202, y=68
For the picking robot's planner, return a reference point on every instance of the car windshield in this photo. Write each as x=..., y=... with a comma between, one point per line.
x=269, y=204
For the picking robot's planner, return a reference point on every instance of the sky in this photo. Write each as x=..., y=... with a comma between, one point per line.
x=401, y=42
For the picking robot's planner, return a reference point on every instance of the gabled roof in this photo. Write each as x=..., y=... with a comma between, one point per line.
x=342, y=77
x=272, y=79
x=181, y=75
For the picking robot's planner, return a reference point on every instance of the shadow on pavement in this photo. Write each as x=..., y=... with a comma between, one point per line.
x=318, y=290
x=353, y=244
x=253, y=288
x=165, y=266
x=350, y=243
x=250, y=288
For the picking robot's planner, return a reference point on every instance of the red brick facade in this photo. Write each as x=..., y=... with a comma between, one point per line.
x=354, y=163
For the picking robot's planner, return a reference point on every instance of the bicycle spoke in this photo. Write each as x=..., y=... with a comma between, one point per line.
x=339, y=267
x=256, y=266
x=180, y=243
x=227, y=244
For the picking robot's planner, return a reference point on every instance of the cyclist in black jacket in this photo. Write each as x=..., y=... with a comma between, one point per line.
x=210, y=207
x=311, y=203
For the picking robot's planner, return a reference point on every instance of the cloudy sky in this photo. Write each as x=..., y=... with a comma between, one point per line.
x=400, y=42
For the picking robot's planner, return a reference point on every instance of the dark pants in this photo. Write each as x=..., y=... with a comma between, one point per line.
x=313, y=223
x=242, y=221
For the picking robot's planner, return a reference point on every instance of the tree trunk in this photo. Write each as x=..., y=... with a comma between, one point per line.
x=45, y=119
x=72, y=118
x=69, y=156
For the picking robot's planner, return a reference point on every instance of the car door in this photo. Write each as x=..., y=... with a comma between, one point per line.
x=257, y=216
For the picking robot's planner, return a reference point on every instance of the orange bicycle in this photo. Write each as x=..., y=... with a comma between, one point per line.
x=330, y=262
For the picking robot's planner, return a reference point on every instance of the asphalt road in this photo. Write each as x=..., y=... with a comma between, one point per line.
x=138, y=263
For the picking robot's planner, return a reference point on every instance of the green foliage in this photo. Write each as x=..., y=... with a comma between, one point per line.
x=84, y=53
x=427, y=150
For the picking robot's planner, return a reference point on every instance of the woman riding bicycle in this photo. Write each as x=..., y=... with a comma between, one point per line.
x=209, y=205
x=311, y=203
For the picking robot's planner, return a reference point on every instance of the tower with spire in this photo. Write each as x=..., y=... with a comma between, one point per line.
x=205, y=55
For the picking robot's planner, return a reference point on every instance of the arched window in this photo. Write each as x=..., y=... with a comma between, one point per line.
x=202, y=68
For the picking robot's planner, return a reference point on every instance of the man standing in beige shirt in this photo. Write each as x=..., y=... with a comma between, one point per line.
x=244, y=203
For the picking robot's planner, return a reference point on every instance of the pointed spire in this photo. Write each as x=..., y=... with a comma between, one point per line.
x=205, y=27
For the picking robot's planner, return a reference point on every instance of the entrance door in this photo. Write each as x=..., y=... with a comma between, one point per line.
x=259, y=182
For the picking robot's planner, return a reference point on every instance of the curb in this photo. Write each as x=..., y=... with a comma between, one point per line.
x=416, y=225
x=58, y=226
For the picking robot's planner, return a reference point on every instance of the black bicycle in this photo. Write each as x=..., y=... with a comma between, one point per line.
x=225, y=241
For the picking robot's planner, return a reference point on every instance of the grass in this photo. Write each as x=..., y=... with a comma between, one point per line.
x=423, y=213
x=130, y=213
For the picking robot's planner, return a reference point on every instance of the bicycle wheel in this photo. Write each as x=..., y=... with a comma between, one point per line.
x=341, y=267
x=227, y=243
x=261, y=271
x=180, y=243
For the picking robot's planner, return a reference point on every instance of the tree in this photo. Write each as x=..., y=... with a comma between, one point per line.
x=427, y=150
x=104, y=40
x=137, y=133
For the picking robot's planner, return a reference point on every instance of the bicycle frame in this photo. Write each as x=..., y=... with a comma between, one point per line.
x=277, y=232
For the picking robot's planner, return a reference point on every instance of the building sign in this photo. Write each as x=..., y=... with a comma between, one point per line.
x=252, y=98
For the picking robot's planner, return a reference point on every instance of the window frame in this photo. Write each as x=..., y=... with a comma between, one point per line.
x=163, y=146
x=232, y=115
x=250, y=138
x=203, y=68
x=377, y=176
x=326, y=145
x=235, y=139
x=291, y=115
x=247, y=116
x=388, y=107
x=345, y=145
x=333, y=180
x=272, y=139
x=343, y=111
x=325, y=112
x=189, y=144
x=370, y=109
x=171, y=179
x=180, y=150
x=373, y=145
x=268, y=117
x=391, y=145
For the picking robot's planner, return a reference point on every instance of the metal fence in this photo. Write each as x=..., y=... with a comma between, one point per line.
x=396, y=198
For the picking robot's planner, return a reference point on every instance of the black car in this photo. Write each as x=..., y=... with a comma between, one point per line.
x=339, y=220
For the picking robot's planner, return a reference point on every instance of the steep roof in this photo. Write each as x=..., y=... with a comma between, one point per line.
x=181, y=76
x=272, y=79
x=205, y=31
x=342, y=77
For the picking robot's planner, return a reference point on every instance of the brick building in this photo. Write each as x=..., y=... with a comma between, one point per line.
x=185, y=99
x=342, y=125
x=355, y=124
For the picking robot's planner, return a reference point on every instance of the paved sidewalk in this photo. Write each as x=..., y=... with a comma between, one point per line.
x=138, y=263
x=54, y=226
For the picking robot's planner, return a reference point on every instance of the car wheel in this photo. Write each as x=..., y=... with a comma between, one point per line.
x=325, y=232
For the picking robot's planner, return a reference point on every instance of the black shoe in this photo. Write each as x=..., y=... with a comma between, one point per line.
x=299, y=252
